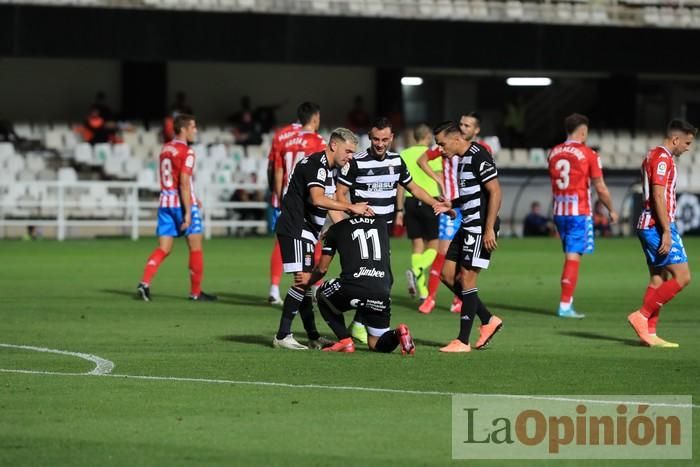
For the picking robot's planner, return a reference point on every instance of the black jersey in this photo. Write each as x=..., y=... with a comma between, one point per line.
x=300, y=218
x=375, y=181
x=363, y=245
x=476, y=168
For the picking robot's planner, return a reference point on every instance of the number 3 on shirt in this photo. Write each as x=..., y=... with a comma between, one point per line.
x=166, y=173
x=564, y=167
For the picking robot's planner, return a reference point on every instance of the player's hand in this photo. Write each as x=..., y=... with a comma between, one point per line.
x=666, y=242
x=452, y=213
x=361, y=209
x=442, y=207
x=186, y=222
x=613, y=217
x=490, y=240
x=399, y=218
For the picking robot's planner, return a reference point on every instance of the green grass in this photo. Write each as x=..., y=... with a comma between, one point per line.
x=77, y=296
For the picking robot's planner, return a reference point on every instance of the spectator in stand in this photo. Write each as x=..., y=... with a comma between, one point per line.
x=601, y=220
x=358, y=118
x=96, y=129
x=246, y=128
x=535, y=224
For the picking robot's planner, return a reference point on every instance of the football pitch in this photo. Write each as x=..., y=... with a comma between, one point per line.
x=200, y=384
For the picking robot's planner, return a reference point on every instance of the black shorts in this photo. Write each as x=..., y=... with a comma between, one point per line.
x=297, y=254
x=375, y=309
x=420, y=220
x=467, y=250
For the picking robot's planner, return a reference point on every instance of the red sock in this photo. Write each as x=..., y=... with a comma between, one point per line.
x=569, y=277
x=653, y=319
x=664, y=293
x=276, y=265
x=434, y=280
x=196, y=272
x=317, y=258
x=152, y=265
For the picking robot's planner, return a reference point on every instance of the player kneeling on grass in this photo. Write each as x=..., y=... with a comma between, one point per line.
x=364, y=285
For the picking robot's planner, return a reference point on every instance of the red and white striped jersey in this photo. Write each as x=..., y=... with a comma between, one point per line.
x=176, y=158
x=658, y=168
x=450, y=177
x=278, y=139
x=572, y=165
x=300, y=145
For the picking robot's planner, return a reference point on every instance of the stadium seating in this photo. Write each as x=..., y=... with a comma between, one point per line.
x=654, y=13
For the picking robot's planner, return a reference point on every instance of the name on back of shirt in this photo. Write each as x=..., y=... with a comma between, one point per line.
x=361, y=220
x=568, y=149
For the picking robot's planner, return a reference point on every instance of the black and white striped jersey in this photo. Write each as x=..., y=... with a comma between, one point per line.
x=374, y=181
x=476, y=168
x=300, y=218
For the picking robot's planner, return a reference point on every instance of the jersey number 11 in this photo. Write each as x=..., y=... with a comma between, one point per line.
x=362, y=236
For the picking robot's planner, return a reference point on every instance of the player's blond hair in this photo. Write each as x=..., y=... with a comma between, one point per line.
x=344, y=135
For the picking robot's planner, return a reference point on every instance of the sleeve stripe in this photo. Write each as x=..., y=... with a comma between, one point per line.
x=489, y=178
x=344, y=182
x=316, y=184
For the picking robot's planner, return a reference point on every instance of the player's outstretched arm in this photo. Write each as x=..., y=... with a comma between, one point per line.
x=321, y=269
x=495, y=197
x=660, y=211
x=319, y=199
x=604, y=195
x=423, y=164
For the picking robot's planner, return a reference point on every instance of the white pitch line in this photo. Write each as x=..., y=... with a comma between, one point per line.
x=362, y=389
x=102, y=366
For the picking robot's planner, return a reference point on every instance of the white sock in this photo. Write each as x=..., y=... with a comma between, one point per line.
x=275, y=291
x=565, y=306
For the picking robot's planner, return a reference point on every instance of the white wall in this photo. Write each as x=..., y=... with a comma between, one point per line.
x=214, y=90
x=55, y=89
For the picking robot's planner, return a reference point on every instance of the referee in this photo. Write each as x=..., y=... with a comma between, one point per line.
x=372, y=177
x=422, y=226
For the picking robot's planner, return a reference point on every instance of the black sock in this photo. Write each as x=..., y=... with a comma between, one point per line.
x=387, y=342
x=306, y=311
x=469, y=305
x=334, y=320
x=483, y=312
x=290, y=309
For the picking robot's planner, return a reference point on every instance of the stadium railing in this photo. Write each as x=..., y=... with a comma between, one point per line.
x=66, y=207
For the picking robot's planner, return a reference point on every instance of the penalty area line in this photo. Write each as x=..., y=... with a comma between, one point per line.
x=359, y=389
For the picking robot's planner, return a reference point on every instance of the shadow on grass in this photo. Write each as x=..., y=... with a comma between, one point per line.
x=428, y=343
x=265, y=341
x=247, y=300
x=132, y=294
x=525, y=309
x=601, y=337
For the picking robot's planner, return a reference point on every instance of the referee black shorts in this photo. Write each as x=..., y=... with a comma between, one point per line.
x=420, y=220
x=467, y=250
x=374, y=307
x=297, y=254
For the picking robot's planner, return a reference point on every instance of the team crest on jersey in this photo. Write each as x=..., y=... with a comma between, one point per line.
x=345, y=169
x=391, y=170
x=321, y=175
x=661, y=169
x=307, y=260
